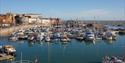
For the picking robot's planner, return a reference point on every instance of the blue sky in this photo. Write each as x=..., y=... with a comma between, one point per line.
x=68, y=9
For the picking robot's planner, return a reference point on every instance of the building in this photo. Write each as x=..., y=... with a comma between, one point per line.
x=31, y=18
x=50, y=22
x=6, y=19
x=18, y=19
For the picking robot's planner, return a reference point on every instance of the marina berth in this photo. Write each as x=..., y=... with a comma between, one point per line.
x=39, y=33
x=72, y=31
x=84, y=39
x=62, y=31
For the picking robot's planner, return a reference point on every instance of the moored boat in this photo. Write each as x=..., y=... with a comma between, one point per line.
x=113, y=59
x=47, y=39
x=9, y=49
x=64, y=38
x=109, y=35
x=40, y=36
x=89, y=36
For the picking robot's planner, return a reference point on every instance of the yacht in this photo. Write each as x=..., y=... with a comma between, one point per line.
x=9, y=49
x=89, y=36
x=109, y=35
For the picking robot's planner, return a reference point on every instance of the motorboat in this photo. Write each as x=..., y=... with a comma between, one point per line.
x=80, y=36
x=109, y=35
x=47, y=39
x=89, y=36
x=64, y=38
x=9, y=49
x=57, y=35
x=40, y=36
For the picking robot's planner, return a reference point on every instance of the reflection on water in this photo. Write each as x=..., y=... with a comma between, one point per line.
x=109, y=42
x=68, y=52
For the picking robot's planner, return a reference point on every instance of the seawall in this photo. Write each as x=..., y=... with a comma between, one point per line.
x=10, y=30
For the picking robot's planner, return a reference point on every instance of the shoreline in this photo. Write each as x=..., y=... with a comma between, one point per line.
x=8, y=31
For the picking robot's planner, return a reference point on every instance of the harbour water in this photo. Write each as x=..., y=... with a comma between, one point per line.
x=71, y=52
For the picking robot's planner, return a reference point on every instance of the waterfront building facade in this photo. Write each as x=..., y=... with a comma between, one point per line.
x=6, y=19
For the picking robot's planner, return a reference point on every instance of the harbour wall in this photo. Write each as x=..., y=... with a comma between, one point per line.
x=10, y=30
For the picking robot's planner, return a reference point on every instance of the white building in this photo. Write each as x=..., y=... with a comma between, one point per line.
x=46, y=21
x=32, y=18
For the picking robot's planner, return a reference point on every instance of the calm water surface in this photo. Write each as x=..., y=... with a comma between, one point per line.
x=72, y=52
